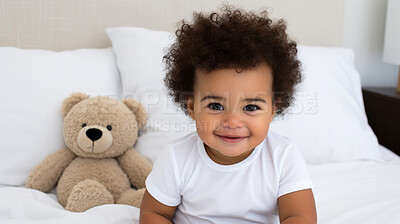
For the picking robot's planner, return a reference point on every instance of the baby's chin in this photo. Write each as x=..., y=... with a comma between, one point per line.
x=231, y=150
x=236, y=155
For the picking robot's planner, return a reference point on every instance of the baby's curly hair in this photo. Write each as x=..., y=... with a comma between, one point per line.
x=235, y=39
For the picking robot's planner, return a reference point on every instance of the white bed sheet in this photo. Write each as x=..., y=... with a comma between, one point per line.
x=358, y=192
x=355, y=192
x=22, y=205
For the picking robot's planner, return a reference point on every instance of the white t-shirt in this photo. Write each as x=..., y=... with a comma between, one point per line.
x=246, y=192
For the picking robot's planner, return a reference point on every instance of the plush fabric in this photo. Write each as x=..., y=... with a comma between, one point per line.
x=98, y=165
x=33, y=85
x=327, y=119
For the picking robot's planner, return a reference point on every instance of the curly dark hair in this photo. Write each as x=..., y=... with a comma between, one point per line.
x=237, y=39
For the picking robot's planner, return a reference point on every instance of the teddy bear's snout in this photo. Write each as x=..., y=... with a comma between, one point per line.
x=94, y=134
x=94, y=139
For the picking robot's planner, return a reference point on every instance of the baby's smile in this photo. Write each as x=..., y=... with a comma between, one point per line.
x=231, y=139
x=232, y=136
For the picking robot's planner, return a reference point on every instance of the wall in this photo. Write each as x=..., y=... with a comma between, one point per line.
x=71, y=24
x=363, y=31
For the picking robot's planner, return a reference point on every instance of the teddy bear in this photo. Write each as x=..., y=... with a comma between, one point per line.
x=99, y=164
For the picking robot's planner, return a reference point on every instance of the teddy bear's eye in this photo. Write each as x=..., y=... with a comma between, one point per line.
x=109, y=127
x=83, y=125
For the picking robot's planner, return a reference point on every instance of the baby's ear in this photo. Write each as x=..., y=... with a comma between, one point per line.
x=274, y=109
x=138, y=110
x=71, y=101
x=275, y=105
x=190, y=105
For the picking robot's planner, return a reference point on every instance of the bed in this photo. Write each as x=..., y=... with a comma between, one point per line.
x=113, y=48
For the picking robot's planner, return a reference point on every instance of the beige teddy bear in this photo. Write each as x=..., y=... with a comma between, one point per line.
x=99, y=165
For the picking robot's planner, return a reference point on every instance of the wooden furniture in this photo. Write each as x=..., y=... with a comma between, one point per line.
x=382, y=106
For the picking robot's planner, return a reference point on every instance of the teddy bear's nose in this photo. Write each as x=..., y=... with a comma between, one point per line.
x=94, y=134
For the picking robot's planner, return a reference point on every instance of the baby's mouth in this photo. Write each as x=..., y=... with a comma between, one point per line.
x=231, y=138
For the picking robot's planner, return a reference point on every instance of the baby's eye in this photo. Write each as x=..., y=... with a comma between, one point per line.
x=215, y=106
x=251, y=107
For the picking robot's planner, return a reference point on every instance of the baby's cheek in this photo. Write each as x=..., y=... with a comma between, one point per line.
x=260, y=128
x=207, y=125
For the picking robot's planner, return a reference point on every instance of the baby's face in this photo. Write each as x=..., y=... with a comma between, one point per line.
x=232, y=111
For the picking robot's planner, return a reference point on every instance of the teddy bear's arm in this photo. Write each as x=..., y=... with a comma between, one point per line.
x=46, y=174
x=136, y=167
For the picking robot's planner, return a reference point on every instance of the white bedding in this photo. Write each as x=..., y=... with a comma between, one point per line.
x=358, y=192
x=353, y=192
x=22, y=205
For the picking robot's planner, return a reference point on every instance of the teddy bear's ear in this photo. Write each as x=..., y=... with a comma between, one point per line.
x=71, y=101
x=138, y=110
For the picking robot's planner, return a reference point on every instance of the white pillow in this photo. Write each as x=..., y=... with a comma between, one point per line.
x=139, y=53
x=327, y=120
x=33, y=85
x=330, y=126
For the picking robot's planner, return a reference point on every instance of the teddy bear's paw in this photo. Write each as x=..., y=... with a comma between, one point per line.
x=87, y=194
x=131, y=197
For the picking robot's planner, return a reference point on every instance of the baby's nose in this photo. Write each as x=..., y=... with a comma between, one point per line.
x=232, y=120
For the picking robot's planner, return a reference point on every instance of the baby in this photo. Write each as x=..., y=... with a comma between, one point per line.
x=232, y=72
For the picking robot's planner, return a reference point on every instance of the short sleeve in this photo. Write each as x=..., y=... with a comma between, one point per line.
x=163, y=182
x=294, y=172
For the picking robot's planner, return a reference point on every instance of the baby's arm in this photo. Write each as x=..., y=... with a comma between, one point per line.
x=152, y=211
x=297, y=207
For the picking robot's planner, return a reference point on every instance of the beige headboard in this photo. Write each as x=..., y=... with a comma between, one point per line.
x=71, y=24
